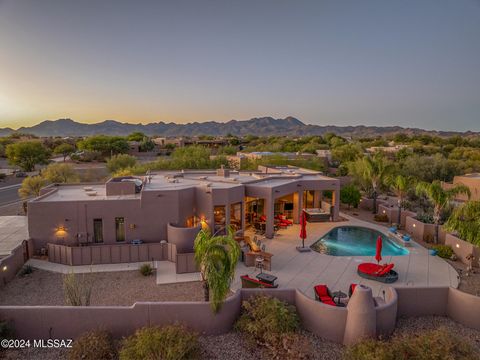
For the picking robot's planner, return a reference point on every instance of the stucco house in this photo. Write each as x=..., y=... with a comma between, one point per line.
x=170, y=208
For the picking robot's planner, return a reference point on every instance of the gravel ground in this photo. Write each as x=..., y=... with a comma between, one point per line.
x=232, y=346
x=109, y=288
x=12, y=210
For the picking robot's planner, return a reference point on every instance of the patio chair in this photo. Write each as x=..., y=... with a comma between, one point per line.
x=382, y=273
x=323, y=294
x=248, y=282
x=258, y=228
x=351, y=289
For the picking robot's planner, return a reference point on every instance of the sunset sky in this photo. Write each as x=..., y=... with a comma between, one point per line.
x=408, y=63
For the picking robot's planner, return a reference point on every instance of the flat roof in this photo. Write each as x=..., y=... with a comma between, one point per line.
x=83, y=192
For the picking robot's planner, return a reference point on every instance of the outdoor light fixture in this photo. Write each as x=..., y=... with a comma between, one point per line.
x=4, y=268
x=61, y=230
x=384, y=211
x=458, y=245
x=133, y=226
x=414, y=225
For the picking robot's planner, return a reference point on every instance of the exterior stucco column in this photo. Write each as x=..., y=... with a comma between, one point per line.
x=227, y=216
x=336, y=203
x=361, y=316
x=269, y=210
x=297, y=206
x=317, y=198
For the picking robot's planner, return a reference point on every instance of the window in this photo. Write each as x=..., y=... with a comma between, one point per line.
x=220, y=221
x=120, y=229
x=98, y=230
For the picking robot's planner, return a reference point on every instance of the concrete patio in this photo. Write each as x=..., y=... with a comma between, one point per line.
x=305, y=270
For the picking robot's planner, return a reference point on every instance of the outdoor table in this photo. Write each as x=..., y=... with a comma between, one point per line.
x=267, y=278
x=339, y=295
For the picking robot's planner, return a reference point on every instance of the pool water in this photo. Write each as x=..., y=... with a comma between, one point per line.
x=356, y=241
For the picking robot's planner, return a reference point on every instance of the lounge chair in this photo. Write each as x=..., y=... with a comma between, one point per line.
x=382, y=273
x=248, y=282
x=322, y=294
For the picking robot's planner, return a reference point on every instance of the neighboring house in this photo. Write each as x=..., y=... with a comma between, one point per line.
x=392, y=149
x=257, y=155
x=470, y=180
x=162, y=142
x=171, y=206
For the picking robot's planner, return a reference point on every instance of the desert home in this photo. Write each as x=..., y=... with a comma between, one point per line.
x=472, y=181
x=172, y=207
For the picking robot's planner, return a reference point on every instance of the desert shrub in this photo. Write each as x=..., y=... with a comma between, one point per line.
x=264, y=316
x=172, y=342
x=93, y=345
x=77, y=290
x=121, y=161
x=444, y=251
x=425, y=218
x=146, y=270
x=25, y=270
x=273, y=324
x=434, y=344
x=381, y=217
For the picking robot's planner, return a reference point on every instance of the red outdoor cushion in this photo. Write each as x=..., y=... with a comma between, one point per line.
x=321, y=290
x=329, y=302
x=246, y=277
x=369, y=268
x=385, y=270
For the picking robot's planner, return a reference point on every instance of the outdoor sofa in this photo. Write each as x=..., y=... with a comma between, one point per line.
x=382, y=273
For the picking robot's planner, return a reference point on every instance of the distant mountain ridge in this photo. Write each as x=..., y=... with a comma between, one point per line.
x=263, y=126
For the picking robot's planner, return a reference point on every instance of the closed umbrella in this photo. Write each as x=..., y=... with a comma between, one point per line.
x=303, y=227
x=378, y=254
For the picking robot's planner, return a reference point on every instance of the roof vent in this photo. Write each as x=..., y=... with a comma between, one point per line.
x=91, y=193
x=88, y=188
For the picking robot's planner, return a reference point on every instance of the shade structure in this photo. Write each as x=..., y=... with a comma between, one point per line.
x=303, y=227
x=378, y=254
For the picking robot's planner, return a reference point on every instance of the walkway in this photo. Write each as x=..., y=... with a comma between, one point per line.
x=13, y=230
x=305, y=270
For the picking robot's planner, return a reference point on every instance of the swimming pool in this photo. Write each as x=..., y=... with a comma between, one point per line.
x=356, y=241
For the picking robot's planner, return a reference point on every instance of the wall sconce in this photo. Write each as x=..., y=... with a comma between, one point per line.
x=384, y=211
x=414, y=225
x=458, y=245
x=61, y=231
x=4, y=268
x=133, y=226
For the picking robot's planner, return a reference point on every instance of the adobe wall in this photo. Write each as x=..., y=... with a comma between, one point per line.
x=182, y=237
x=463, y=248
x=392, y=213
x=422, y=231
x=11, y=264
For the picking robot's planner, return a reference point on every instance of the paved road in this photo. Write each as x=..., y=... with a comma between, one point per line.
x=9, y=194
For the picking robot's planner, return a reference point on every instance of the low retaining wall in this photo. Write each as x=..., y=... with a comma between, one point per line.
x=392, y=213
x=43, y=322
x=11, y=264
x=463, y=248
x=342, y=325
x=109, y=254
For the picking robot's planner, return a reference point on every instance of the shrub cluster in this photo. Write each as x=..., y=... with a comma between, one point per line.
x=171, y=342
x=444, y=251
x=93, y=345
x=273, y=324
x=435, y=344
x=381, y=217
x=146, y=270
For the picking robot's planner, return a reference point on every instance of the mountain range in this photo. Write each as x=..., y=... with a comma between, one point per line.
x=263, y=126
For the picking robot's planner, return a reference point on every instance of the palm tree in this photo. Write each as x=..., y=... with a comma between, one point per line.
x=400, y=185
x=217, y=257
x=371, y=173
x=440, y=198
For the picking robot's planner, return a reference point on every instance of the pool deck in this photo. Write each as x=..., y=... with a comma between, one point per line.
x=305, y=270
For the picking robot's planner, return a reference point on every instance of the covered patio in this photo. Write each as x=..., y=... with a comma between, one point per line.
x=267, y=200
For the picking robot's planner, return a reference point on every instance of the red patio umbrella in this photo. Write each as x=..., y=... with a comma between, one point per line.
x=378, y=254
x=303, y=227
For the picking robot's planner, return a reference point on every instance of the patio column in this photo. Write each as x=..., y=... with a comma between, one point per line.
x=227, y=216
x=317, y=198
x=297, y=206
x=336, y=203
x=269, y=210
